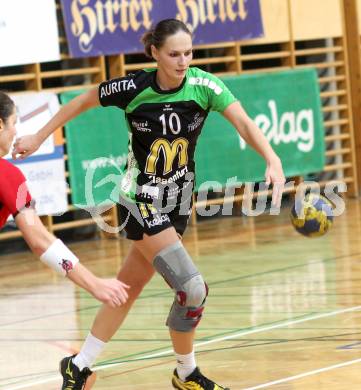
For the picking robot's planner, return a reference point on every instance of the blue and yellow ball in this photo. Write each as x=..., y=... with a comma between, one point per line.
x=312, y=216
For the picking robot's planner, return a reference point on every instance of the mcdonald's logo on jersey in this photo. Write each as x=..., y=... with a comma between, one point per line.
x=170, y=150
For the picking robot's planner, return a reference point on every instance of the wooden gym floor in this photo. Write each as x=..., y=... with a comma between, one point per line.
x=284, y=312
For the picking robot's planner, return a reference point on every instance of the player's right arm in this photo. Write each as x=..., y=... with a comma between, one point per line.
x=25, y=146
x=116, y=92
x=53, y=252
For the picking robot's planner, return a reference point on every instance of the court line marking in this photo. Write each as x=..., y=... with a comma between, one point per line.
x=199, y=344
x=303, y=375
x=169, y=292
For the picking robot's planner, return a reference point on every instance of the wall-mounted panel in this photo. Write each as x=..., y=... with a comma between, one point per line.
x=316, y=19
x=275, y=22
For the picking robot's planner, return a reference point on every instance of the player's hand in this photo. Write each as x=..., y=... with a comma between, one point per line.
x=274, y=175
x=112, y=292
x=25, y=146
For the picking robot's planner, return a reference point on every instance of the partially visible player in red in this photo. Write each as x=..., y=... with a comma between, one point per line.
x=16, y=200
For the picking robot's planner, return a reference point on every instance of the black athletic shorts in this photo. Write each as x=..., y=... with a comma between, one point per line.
x=142, y=218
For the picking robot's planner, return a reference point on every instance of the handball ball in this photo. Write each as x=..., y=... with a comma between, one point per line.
x=312, y=216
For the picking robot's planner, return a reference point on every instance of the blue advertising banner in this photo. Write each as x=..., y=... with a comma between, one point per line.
x=103, y=27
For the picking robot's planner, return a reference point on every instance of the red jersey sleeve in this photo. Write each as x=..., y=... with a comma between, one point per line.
x=14, y=193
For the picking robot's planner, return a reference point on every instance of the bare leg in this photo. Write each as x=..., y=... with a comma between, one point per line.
x=136, y=272
x=182, y=341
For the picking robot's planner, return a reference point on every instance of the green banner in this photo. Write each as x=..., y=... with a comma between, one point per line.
x=286, y=106
x=97, y=146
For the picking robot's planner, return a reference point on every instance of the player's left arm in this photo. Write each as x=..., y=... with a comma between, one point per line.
x=254, y=137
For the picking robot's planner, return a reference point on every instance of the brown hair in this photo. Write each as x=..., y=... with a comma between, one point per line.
x=158, y=35
x=6, y=106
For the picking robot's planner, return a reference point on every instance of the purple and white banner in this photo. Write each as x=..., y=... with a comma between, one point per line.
x=103, y=27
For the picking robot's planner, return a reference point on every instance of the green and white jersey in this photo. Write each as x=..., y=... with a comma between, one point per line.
x=163, y=129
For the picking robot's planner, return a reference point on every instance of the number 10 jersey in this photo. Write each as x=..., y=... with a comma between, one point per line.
x=163, y=127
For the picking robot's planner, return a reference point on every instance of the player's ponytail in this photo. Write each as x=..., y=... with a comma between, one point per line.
x=6, y=106
x=158, y=35
x=147, y=40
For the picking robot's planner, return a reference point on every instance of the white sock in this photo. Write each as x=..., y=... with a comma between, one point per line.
x=185, y=364
x=90, y=350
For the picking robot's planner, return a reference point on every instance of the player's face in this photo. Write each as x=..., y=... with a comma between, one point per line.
x=7, y=133
x=174, y=56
